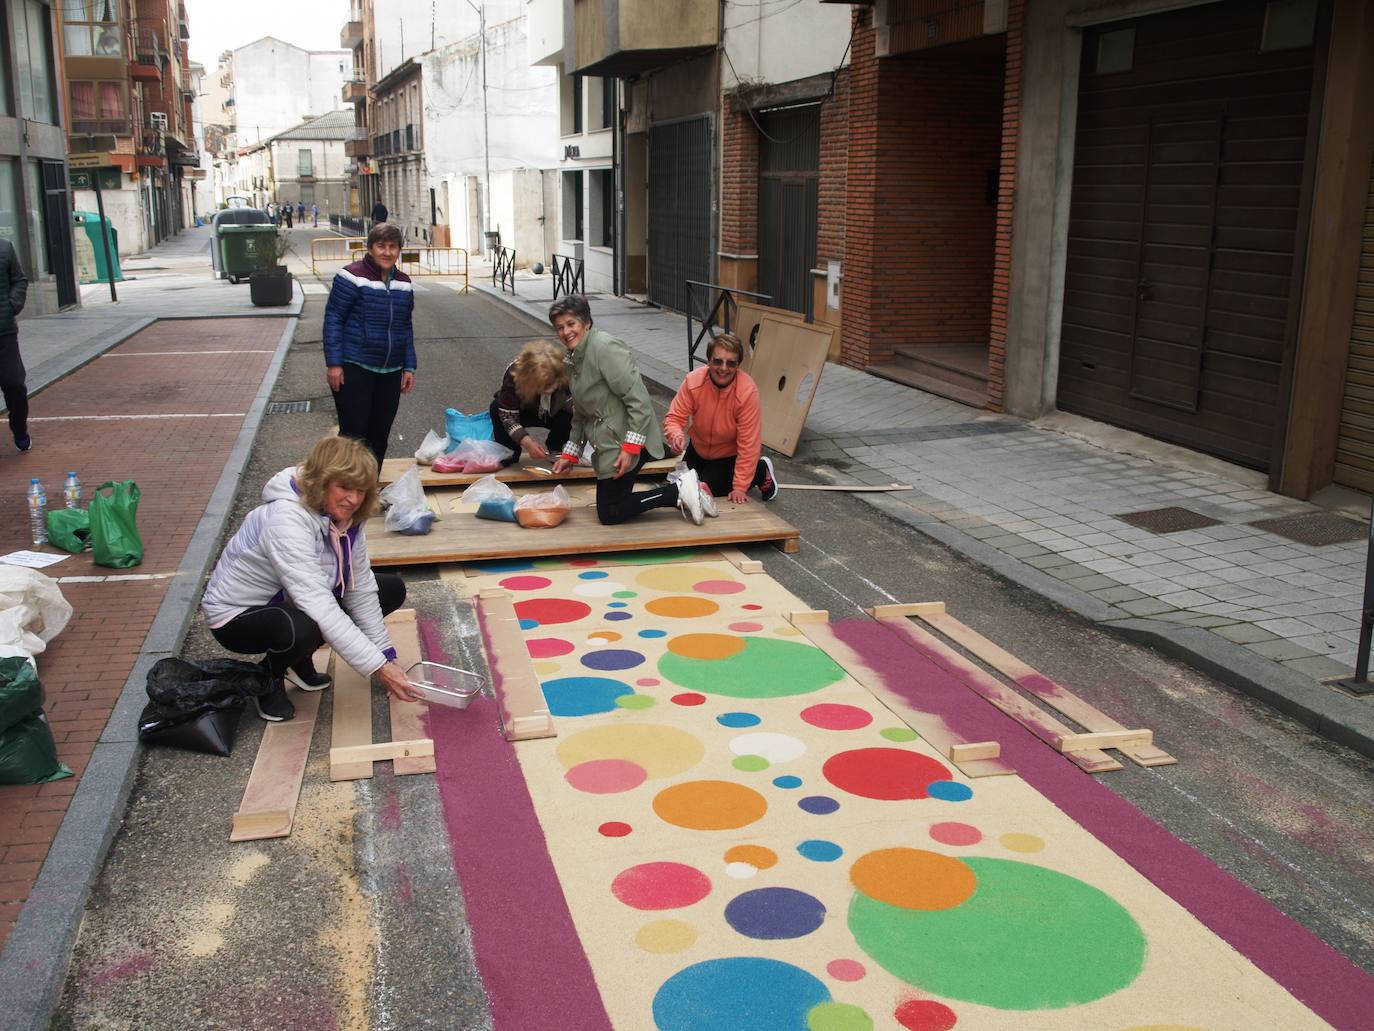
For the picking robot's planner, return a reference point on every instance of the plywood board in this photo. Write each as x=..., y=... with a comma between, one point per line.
x=407, y=718
x=535, y=472
x=787, y=368
x=614, y=558
x=524, y=710
x=352, y=724
x=465, y=538
x=749, y=317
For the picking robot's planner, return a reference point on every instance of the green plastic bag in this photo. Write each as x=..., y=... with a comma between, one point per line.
x=114, y=525
x=21, y=692
x=69, y=529
x=27, y=752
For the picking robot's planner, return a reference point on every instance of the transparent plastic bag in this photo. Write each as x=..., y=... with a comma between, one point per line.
x=408, y=514
x=431, y=447
x=544, y=510
x=480, y=456
x=488, y=488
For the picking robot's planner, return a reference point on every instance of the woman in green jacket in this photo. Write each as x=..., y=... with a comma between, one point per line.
x=611, y=411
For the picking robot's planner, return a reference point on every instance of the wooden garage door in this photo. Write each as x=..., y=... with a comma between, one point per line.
x=1355, y=445
x=1188, y=177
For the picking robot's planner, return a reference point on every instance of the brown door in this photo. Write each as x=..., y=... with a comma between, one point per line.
x=1183, y=227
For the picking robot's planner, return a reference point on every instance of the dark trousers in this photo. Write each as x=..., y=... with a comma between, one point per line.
x=12, y=385
x=559, y=425
x=719, y=473
x=286, y=635
x=367, y=404
x=618, y=501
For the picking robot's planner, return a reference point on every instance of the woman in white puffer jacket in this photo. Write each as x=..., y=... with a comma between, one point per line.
x=296, y=575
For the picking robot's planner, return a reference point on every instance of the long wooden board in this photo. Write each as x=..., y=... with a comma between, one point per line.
x=524, y=710
x=1057, y=697
x=974, y=759
x=407, y=718
x=268, y=808
x=749, y=317
x=394, y=468
x=1037, y=721
x=352, y=722
x=787, y=367
x=459, y=537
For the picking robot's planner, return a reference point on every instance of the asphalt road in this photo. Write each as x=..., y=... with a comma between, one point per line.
x=357, y=921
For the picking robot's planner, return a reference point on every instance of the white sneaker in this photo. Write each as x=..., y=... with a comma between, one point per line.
x=708, y=502
x=689, y=496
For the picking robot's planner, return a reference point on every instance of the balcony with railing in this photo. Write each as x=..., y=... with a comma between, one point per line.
x=351, y=35
x=626, y=37
x=359, y=145
x=354, y=91
x=150, y=54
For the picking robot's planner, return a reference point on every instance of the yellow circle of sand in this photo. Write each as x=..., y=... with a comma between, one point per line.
x=1018, y=842
x=662, y=936
x=755, y=855
x=912, y=878
x=706, y=646
x=662, y=751
x=709, y=805
x=675, y=578
x=546, y=667
x=682, y=606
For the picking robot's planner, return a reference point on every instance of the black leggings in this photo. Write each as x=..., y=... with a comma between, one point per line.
x=718, y=474
x=367, y=404
x=286, y=634
x=12, y=385
x=617, y=500
x=559, y=426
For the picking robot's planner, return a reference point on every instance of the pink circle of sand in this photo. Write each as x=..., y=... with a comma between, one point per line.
x=606, y=776
x=745, y=628
x=845, y=970
x=548, y=647
x=525, y=583
x=718, y=587
x=834, y=716
x=952, y=833
x=661, y=886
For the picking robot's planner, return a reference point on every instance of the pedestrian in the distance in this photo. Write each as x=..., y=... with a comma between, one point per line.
x=14, y=290
x=369, y=346
x=300, y=211
x=611, y=411
x=296, y=574
x=379, y=212
x=271, y=210
x=314, y=214
x=724, y=442
x=534, y=392
x=286, y=214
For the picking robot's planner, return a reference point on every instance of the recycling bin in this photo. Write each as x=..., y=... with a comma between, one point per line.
x=245, y=249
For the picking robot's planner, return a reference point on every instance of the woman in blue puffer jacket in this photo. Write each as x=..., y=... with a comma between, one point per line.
x=369, y=346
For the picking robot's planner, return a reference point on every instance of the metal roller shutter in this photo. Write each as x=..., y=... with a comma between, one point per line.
x=1355, y=443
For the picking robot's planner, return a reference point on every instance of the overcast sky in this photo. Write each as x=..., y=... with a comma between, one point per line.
x=217, y=26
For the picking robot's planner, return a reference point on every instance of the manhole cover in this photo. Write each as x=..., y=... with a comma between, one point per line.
x=288, y=407
x=1168, y=520
x=1315, y=528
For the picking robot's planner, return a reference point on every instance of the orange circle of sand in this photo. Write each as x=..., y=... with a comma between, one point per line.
x=706, y=646
x=912, y=878
x=681, y=606
x=709, y=805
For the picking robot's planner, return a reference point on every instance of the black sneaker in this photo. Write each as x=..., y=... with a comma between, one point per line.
x=768, y=486
x=274, y=706
x=23, y=442
x=307, y=679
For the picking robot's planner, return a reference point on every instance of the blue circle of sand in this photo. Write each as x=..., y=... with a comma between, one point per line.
x=787, y=781
x=738, y=719
x=583, y=696
x=770, y=914
x=818, y=805
x=820, y=851
x=528, y=624
x=617, y=615
x=612, y=659
x=949, y=791
x=593, y=574
x=653, y=633
x=615, y=604
x=735, y=993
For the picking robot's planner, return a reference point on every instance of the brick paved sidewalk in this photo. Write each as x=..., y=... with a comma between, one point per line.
x=164, y=409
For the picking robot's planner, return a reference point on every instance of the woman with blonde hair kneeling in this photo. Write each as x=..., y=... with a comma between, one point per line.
x=534, y=392
x=296, y=575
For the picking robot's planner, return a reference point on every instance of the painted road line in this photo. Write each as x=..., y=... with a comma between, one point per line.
x=110, y=418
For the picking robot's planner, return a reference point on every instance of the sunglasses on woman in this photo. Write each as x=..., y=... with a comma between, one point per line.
x=725, y=363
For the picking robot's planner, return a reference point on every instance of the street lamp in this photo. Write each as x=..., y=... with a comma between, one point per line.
x=481, y=10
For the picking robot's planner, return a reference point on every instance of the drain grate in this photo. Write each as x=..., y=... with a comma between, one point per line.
x=288, y=407
x=1168, y=520
x=1315, y=528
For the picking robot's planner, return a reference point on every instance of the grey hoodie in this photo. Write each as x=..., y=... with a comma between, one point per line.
x=282, y=552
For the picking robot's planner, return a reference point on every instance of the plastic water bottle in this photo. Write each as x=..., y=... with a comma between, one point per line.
x=71, y=491
x=38, y=512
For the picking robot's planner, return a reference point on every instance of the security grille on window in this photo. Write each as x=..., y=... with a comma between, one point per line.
x=90, y=28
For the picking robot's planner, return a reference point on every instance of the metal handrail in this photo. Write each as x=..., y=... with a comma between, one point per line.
x=503, y=269
x=725, y=303
x=567, y=277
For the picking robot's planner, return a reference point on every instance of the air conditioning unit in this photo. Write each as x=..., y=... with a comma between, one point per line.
x=158, y=120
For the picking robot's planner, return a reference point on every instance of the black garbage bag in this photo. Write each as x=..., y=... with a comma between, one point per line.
x=27, y=752
x=196, y=705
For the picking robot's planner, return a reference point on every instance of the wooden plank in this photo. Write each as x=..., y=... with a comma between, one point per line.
x=740, y=561
x=1042, y=687
x=1037, y=721
x=749, y=316
x=463, y=538
x=930, y=726
x=787, y=367
x=352, y=720
x=975, y=750
x=920, y=608
x=808, y=616
x=407, y=718
x=524, y=710
x=380, y=751
x=853, y=488
x=268, y=807
x=394, y=468
x=1105, y=739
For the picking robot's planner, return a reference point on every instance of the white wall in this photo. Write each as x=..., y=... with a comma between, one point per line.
x=329, y=69
x=545, y=21
x=277, y=86
x=779, y=44
x=410, y=28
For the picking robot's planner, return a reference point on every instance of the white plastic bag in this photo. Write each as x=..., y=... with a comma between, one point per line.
x=431, y=447
x=488, y=488
x=544, y=510
x=32, y=611
x=481, y=452
x=408, y=513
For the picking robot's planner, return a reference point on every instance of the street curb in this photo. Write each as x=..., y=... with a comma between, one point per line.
x=33, y=966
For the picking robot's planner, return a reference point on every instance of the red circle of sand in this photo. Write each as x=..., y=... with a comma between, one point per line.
x=746, y=628
x=552, y=610
x=845, y=970
x=718, y=587
x=614, y=829
x=883, y=773
x=583, y=562
x=925, y=1015
x=752, y=608
x=834, y=716
x=525, y=583
x=548, y=647
x=952, y=833
x=689, y=698
x=606, y=776
x=660, y=886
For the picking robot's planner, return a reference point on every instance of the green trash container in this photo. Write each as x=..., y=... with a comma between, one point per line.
x=245, y=249
x=90, y=251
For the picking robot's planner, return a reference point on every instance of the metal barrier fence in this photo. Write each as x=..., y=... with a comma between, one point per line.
x=567, y=275
x=346, y=224
x=503, y=269
x=701, y=309
x=414, y=261
x=336, y=248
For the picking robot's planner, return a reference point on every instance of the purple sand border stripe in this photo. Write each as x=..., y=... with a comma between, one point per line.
x=1314, y=973
x=507, y=877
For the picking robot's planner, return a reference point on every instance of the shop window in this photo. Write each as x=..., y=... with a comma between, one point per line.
x=572, y=205
x=42, y=261
x=601, y=199
x=33, y=51
x=1115, y=51
x=1288, y=25
x=9, y=212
